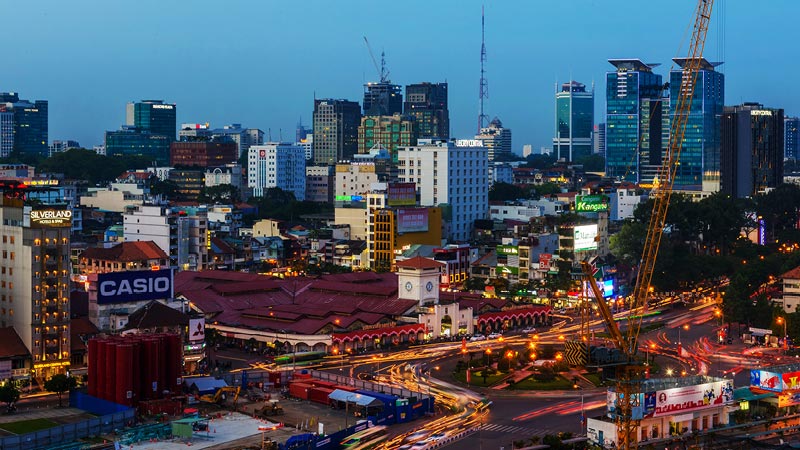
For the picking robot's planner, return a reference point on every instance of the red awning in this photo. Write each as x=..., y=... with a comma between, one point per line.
x=379, y=333
x=512, y=313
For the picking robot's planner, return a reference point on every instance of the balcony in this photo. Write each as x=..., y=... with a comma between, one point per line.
x=20, y=372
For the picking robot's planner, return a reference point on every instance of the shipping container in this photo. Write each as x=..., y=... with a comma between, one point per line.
x=319, y=395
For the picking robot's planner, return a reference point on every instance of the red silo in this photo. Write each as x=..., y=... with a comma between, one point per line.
x=144, y=370
x=173, y=360
x=124, y=380
x=110, y=375
x=92, y=369
x=163, y=365
x=136, y=370
x=152, y=377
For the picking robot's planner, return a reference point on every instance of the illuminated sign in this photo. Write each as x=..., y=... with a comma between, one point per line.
x=161, y=106
x=51, y=218
x=608, y=288
x=591, y=203
x=262, y=153
x=134, y=286
x=349, y=198
x=760, y=112
x=52, y=364
x=197, y=329
x=42, y=183
x=544, y=260
x=507, y=250
x=585, y=238
x=194, y=347
x=413, y=220
x=768, y=381
x=401, y=194
x=693, y=398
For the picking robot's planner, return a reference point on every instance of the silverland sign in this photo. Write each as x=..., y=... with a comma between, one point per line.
x=51, y=218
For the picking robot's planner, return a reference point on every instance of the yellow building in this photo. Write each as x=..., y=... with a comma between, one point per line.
x=396, y=228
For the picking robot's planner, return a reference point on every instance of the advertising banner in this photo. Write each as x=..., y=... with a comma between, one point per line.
x=788, y=399
x=413, y=220
x=544, y=261
x=692, y=398
x=134, y=286
x=791, y=381
x=768, y=381
x=507, y=250
x=401, y=194
x=197, y=329
x=591, y=203
x=608, y=288
x=51, y=218
x=585, y=238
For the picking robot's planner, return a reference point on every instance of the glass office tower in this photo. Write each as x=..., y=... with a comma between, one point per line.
x=574, y=122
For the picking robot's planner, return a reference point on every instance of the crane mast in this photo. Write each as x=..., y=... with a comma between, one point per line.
x=628, y=386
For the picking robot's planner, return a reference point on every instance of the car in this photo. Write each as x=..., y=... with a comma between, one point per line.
x=477, y=337
x=529, y=330
x=437, y=437
x=416, y=436
x=495, y=336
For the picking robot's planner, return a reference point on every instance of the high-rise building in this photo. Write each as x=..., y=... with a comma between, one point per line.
x=636, y=121
x=427, y=104
x=243, y=137
x=130, y=141
x=36, y=284
x=154, y=116
x=751, y=157
x=791, y=140
x=320, y=184
x=382, y=99
x=496, y=139
x=574, y=121
x=277, y=164
x=527, y=150
x=699, y=160
x=301, y=132
x=190, y=132
x=599, y=140
x=202, y=154
x=6, y=131
x=356, y=178
x=30, y=122
x=454, y=175
x=335, y=130
x=389, y=132
x=308, y=146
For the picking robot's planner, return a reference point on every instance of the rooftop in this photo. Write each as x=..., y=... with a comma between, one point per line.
x=11, y=345
x=418, y=262
x=126, y=252
x=633, y=64
x=704, y=63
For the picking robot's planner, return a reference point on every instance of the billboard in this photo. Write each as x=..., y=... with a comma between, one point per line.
x=608, y=288
x=51, y=218
x=585, y=238
x=591, y=203
x=788, y=399
x=197, y=329
x=692, y=398
x=134, y=286
x=507, y=250
x=768, y=381
x=401, y=194
x=544, y=261
x=412, y=220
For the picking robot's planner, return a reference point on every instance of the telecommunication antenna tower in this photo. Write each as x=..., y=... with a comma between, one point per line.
x=483, y=93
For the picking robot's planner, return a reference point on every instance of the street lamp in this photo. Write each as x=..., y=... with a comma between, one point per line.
x=652, y=346
x=783, y=321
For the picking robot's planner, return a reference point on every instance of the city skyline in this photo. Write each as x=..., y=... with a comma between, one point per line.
x=103, y=56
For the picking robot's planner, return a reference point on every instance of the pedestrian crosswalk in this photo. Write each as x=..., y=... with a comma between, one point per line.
x=512, y=429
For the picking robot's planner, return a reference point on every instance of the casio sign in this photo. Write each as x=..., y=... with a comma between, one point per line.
x=139, y=286
x=134, y=286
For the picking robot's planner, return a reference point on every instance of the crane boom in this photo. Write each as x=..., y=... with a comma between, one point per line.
x=381, y=69
x=628, y=386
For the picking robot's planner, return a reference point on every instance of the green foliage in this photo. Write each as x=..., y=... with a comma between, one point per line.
x=167, y=188
x=540, y=162
x=9, y=393
x=223, y=193
x=82, y=164
x=507, y=192
x=59, y=384
x=279, y=204
x=474, y=284
x=592, y=163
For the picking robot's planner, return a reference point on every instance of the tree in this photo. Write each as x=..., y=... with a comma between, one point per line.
x=9, y=394
x=82, y=164
x=592, y=163
x=59, y=384
x=167, y=188
x=223, y=193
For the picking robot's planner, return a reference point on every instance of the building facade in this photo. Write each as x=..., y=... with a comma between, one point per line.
x=153, y=116
x=751, y=146
x=574, y=121
x=275, y=164
x=6, y=131
x=599, y=139
x=130, y=141
x=180, y=232
x=699, y=168
x=496, y=139
x=335, y=130
x=59, y=146
x=320, y=184
x=202, y=154
x=30, y=124
x=791, y=140
x=243, y=137
x=387, y=132
x=637, y=130
x=453, y=174
x=427, y=104
x=35, y=286
x=227, y=174
x=382, y=99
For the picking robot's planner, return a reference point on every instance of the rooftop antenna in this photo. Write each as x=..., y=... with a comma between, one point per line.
x=269, y=134
x=483, y=92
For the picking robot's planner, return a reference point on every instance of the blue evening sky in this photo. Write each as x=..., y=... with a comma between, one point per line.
x=260, y=62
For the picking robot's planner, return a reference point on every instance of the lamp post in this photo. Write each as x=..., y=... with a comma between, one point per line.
x=782, y=321
x=649, y=347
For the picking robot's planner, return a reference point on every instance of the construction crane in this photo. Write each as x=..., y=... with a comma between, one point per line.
x=383, y=73
x=628, y=385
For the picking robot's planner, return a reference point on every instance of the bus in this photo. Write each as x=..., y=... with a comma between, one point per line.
x=298, y=357
x=365, y=439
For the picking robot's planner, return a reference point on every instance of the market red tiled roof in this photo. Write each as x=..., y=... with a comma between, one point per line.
x=11, y=345
x=379, y=332
x=300, y=305
x=418, y=262
x=126, y=252
x=509, y=313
